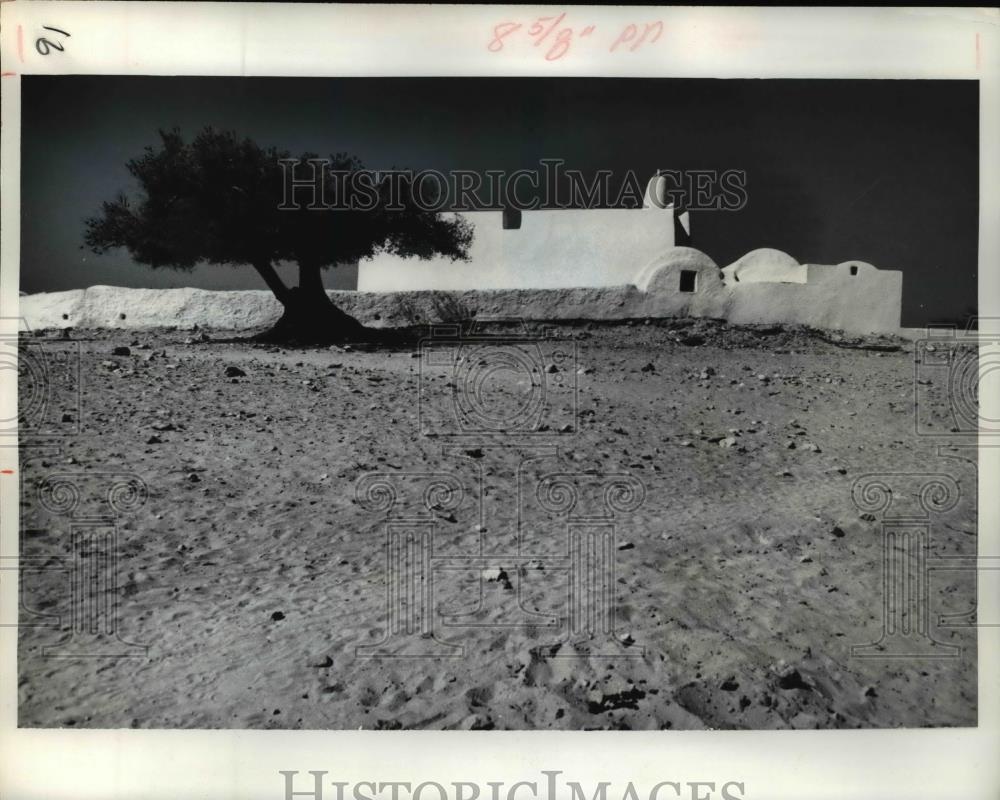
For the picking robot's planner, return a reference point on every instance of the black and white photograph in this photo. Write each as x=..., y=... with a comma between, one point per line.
x=624, y=450
x=532, y=402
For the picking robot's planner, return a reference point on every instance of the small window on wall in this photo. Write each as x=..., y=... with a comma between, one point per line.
x=854, y=270
x=689, y=280
x=511, y=219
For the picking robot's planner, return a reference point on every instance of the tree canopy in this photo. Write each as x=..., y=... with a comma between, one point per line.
x=217, y=199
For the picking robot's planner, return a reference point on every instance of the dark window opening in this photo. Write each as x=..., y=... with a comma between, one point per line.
x=688, y=280
x=511, y=219
x=854, y=270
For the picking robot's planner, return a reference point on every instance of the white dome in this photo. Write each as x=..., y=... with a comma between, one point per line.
x=766, y=265
x=676, y=258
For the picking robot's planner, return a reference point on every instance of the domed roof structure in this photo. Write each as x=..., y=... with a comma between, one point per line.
x=765, y=265
x=675, y=258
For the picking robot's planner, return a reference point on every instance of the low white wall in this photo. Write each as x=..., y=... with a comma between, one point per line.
x=560, y=248
x=868, y=302
x=116, y=307
x=113, y=307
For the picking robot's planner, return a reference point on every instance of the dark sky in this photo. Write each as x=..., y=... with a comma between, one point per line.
x=881, y=171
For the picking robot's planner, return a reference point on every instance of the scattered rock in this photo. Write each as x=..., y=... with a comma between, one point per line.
x=121, y=351
x=793, y=680
x=277, y=616
x=609, y=702
x=478, y=722
x=498, y=575
x=234, y=372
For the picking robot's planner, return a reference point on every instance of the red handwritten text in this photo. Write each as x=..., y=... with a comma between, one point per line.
x=555, y=39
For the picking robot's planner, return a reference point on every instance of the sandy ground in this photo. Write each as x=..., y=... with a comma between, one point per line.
x=253, y=573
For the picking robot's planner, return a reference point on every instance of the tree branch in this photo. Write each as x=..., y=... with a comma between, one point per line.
x=266, y=270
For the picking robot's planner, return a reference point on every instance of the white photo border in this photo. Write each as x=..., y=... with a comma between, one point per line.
x=256, y=39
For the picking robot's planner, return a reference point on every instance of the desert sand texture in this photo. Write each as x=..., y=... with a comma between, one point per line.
x=254, y=566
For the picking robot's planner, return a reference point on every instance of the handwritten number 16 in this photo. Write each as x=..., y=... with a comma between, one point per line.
x=45, y=46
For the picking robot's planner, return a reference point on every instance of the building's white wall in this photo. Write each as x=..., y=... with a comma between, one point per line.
x=867, y=302
x=560, y=264
x=561, y=249
x=552, y=249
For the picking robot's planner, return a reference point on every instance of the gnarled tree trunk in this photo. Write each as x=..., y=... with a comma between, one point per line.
x=310, y=317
